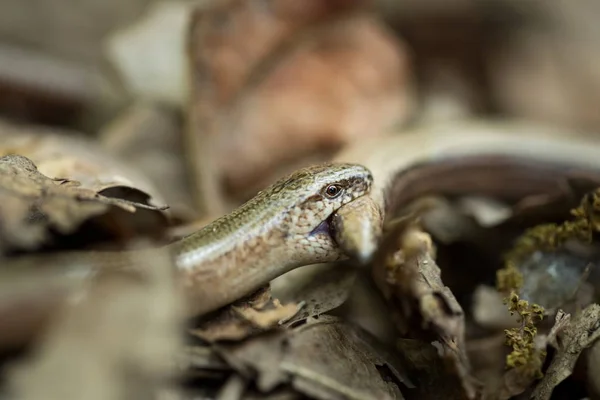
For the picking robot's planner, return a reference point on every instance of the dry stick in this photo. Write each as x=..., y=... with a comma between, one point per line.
x=581, y=333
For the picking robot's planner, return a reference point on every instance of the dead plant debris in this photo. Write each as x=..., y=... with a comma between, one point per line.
x=256, y=313
x=271, y=85
x=527, y=355
x=422, y=306
x=33, y=206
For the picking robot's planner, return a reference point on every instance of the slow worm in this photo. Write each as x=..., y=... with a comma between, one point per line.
x=288, y=224
x=283, y=227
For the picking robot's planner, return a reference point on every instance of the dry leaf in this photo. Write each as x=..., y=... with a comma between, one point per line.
x=282, y=84
x=325, y=358
x=319, y=289
x=366, y=308
x=40, y=84
x=29, y=301
x=148, y=55
x=258, y=358
x=73, y=157
x=249, y=316
x=35, y=206
x=327, y=354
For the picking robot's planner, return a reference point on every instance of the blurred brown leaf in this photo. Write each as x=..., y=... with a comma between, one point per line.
x=280, y=84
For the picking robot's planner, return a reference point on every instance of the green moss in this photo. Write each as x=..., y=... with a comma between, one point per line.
x=509, y=278
x=525, y=356
x=547, y=237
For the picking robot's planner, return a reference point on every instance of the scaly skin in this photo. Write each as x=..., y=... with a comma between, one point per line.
x=273, y=233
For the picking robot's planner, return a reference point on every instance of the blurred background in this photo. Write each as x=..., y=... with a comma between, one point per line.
x=199, y=104
x=245, y=88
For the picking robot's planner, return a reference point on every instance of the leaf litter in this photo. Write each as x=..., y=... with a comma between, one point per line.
x=117, y=336
x=263, y=346
x=34, y=206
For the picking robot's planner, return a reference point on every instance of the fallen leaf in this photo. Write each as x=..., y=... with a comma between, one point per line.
x=38, y=83
x=248, y=316
x=73, y=157
x=280, y=85
x=148, y=54
x=319, y=289
x=324, y=358
x=34, y=207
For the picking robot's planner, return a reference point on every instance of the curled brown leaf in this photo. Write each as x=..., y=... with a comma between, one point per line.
x=33, y=205
x=71, y=156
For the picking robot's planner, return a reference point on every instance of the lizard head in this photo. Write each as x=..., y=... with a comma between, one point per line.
x=312, y=195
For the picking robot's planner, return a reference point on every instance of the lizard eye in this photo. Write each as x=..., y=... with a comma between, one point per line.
x=333, y=191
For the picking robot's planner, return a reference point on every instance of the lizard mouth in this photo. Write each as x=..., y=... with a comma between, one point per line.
x=325, y=227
